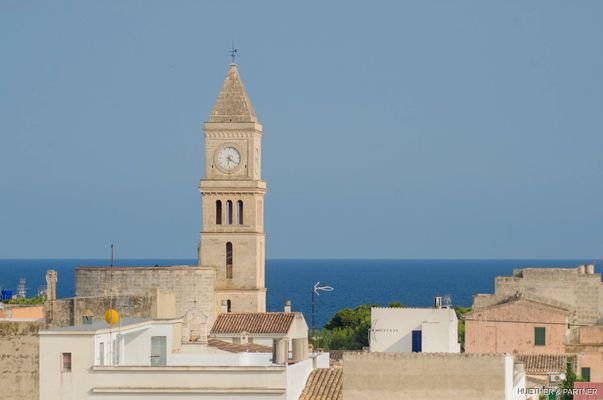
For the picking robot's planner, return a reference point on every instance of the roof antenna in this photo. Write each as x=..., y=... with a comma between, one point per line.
x=111, y=254
x=233, y=52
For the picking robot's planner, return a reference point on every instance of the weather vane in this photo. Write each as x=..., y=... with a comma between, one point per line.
x=233, y=52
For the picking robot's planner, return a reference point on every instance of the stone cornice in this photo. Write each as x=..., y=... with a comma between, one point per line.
x=231, y=134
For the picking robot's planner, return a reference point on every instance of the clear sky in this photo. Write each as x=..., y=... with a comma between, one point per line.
x=423, y=129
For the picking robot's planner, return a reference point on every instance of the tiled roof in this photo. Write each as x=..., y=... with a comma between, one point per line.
x=324, y=384
x=253, y=323
x=239, y=348
x=543, y=363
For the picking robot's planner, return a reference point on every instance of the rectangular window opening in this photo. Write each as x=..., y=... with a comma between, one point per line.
x=66, y=357
x=540, y=336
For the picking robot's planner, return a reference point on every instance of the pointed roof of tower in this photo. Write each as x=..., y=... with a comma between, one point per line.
x=232, y=104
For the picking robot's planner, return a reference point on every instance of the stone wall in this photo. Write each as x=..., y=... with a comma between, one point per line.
x=19, y=357
x=193, y=286
x=70, y=311
x=418, y=376
x=566, y=286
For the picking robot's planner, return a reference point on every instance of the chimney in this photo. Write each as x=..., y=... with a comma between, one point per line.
x=51, y=285
x=51, y=294
x=581, y=269
x=224, y=307
x=288, y=306
x=88, y=317
x=437, y=302
x=590, y=269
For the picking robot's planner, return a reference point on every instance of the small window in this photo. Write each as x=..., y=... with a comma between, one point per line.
x=585, y=374
x=101, y=353
x=66, y=362
x=540, y=336
x=228, y=306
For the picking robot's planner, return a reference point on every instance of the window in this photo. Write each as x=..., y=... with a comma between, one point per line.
x=240, y=212
x=158, y=350
x=66, y=362
x=228, y=306
x=229, y=212
x=585, y=374
x=539, y=336
x=228, y=260
x=218, y=212
x=101, y=353
x=116, y=350
x=417, y=341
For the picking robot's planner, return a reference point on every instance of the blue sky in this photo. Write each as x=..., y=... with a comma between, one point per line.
x=423, y=129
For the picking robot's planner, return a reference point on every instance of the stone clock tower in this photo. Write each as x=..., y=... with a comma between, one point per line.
x=232, y=232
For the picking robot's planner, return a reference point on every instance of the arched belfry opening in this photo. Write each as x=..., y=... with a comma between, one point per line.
x=218, y=212
x=229, y=212
x=240, y=212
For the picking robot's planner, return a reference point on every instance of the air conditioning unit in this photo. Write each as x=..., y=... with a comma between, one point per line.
x=556, y=378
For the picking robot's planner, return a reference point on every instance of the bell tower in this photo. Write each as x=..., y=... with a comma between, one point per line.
x=232, y=196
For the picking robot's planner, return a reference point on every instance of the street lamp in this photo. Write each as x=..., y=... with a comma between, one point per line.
x=315, y=289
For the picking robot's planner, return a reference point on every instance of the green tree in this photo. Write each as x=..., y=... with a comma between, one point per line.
x=460, y=314
x=570, y=378
x=31, y=300
x=348, y=329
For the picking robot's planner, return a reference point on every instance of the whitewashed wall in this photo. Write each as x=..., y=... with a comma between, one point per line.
x=392, y=329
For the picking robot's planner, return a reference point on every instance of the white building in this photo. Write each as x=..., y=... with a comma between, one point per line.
x=428, y=330
x=143, y=358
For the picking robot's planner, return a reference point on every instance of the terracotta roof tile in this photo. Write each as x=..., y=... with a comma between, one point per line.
x=543, y=363
x=253, y=323
x=324, y=384
x=239, y=348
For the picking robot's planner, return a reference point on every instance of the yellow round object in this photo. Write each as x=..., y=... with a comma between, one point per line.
x=111, y=316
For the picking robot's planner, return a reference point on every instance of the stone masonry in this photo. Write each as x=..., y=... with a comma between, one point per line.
x=578, y=289
x=19, y=357
x=70, y=311
x=194, y=287
x=418, y=376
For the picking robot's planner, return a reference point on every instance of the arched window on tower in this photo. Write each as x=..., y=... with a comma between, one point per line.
x=229, y=212
x=219, y=212
x=228, y=305
x=240, y=212
x=228, y=260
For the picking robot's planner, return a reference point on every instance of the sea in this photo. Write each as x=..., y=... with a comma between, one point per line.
x=413, y=282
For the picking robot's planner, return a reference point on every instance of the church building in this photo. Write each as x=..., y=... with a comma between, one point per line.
x=230, y=275
x=232, y=234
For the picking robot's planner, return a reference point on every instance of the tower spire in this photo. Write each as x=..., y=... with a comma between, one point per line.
x=232, y=104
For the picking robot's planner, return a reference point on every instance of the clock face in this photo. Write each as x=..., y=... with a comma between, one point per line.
x=228, y=158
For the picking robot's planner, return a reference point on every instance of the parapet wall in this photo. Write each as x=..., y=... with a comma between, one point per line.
x=582, y=292
x=420, y=376
x=65, y=312
x=19, y=356
x=193, y=286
